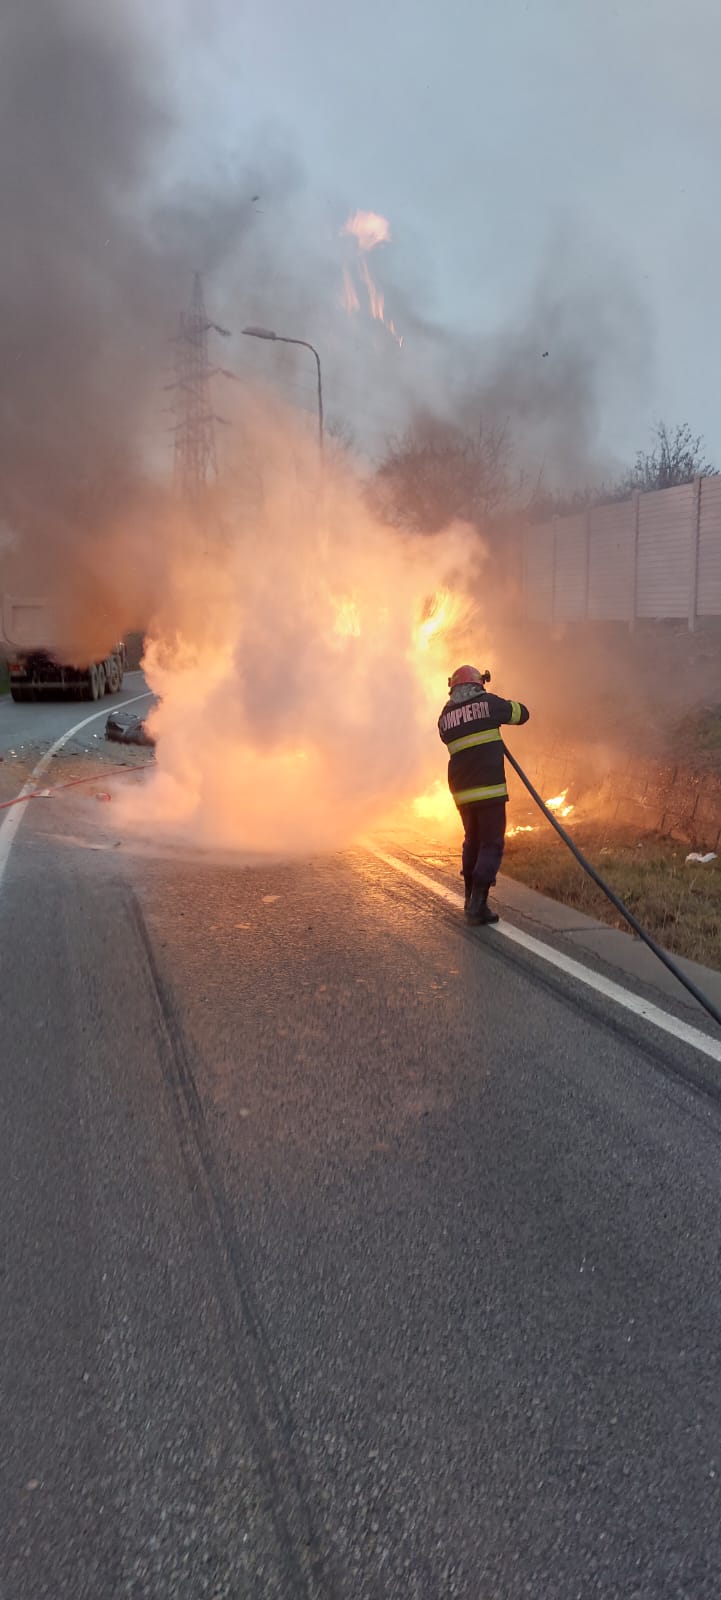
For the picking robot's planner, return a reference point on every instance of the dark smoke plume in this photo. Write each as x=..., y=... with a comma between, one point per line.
x=99, y=247
x=97, y=258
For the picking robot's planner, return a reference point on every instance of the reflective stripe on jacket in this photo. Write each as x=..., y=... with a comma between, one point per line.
x=470, y=730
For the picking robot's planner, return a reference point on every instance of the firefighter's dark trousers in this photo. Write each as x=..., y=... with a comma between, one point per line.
x=484, y=823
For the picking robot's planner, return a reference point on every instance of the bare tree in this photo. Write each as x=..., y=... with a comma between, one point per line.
x=438, y=473
x=677, y=457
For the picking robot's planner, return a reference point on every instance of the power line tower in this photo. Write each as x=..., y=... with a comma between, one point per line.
x=195, y=465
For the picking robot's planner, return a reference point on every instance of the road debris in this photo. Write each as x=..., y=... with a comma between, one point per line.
x=126, y=728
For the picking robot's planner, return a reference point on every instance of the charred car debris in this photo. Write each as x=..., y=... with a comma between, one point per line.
x=126, y=728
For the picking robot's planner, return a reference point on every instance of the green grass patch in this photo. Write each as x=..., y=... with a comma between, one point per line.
x=679, y=904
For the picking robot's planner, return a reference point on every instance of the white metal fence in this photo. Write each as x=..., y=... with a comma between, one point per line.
x=656, y=555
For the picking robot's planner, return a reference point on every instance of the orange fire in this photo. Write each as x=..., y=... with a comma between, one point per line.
x=361, y=622
x=441, y=612
x=376, y=301
x=349, y=299
x=437, y=805
x=369, y=230
x=376, y=298
x=347, y=623
x=446, y=618
x=558, y=804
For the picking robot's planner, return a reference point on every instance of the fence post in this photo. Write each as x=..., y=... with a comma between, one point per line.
x=634, y=586
x=695, y=537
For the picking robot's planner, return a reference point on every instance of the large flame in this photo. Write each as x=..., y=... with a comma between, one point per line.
x=369, y=230
x=376, y=302
x=443, y=617
x=376, y=298
x=447, y=617
x=444, y=612
x=349, y=298
x=438, y=806
x=301, y=670
x=347, y=622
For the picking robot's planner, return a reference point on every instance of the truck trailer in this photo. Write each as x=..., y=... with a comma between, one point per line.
x=36, y=666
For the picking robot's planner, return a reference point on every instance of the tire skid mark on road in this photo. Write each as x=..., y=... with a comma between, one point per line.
x=285, y=1471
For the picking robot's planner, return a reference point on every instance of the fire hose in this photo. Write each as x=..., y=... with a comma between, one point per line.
x=662, y=955
x=70, y=783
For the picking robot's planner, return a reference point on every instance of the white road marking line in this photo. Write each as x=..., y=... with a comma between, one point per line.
x=574, y=969
x=12, y=819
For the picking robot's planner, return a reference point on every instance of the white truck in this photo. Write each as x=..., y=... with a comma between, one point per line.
x=28, y=629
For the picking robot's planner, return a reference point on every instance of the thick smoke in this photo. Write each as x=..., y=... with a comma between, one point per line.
x=301, y=668
x=296, y=642
x=99, y=244
x=577, y=353
x=96, y=249
x=281, y=618
x=580, y=351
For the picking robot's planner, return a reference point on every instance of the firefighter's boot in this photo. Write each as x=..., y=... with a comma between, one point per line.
x=478, y=911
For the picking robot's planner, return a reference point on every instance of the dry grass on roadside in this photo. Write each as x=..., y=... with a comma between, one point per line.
x=679, y=904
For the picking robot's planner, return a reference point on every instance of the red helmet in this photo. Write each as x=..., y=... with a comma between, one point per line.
x=467, y=675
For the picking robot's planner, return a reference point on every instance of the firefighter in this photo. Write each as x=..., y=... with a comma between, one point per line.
x=469, y=726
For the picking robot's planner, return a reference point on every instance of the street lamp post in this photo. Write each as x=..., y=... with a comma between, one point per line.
x=280, y=338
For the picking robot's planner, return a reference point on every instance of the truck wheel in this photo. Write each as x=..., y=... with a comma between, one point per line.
x=93, y=688
x=113, y=683
x=18, y=694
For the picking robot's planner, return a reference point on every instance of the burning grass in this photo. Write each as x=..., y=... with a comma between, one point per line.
x=679, y=904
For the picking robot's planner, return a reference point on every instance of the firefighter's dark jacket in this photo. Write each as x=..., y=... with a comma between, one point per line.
x=470, y=730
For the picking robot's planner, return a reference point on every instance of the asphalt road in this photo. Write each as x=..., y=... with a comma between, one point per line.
x=25, y=729
x=345, y=1252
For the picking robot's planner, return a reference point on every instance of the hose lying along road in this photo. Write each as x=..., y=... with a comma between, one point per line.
x=71, y=783
x=662, y=955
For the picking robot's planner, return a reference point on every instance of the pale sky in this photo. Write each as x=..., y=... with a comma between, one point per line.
x=568, y=143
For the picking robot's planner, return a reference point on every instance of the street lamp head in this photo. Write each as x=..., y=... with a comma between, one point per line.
x=267, y=333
